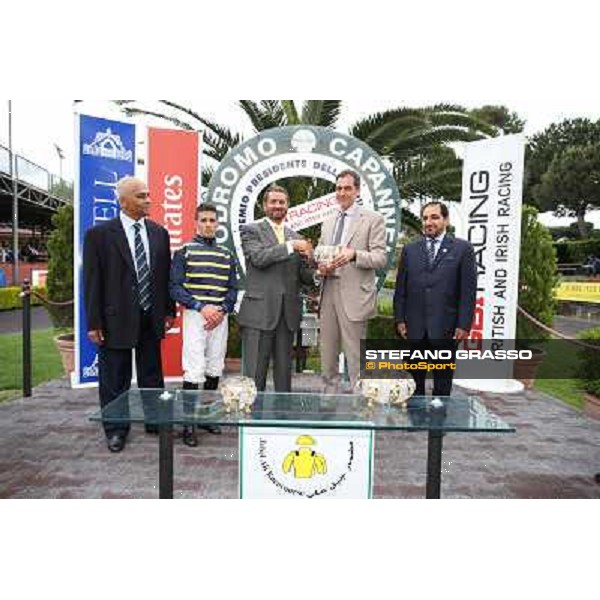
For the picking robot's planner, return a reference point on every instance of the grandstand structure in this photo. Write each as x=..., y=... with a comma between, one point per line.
x=37, y=191
x=40, y=194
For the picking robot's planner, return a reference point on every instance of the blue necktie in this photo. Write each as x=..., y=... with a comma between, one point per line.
x=143, y=271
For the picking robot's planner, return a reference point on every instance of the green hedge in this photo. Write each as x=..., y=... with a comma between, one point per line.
x=577, y=251
x=381, y=328
x=60, y=267
x=538, y=276
x=10, y=299
x=589, y=365
x=385, y=307
x=234, y=340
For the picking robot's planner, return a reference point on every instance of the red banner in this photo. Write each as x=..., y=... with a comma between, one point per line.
x=173, y=166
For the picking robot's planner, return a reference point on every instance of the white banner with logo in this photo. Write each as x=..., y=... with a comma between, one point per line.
x=284, y=463
x=490, y=218
x=310, y=213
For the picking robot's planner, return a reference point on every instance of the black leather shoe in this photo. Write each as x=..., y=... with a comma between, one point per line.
x=116, y=443
x=214, y=429
x=189, y=436
x=151, y=429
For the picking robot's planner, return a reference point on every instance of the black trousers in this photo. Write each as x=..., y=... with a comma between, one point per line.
x=442, y=379
x=260, y=346
x=115, y=370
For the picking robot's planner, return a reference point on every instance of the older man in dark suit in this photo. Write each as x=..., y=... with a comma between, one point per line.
x=270, y=311
x=435, y=292
x=126, y=263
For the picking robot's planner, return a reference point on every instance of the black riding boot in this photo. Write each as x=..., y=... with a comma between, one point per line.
x=212, y=383
x=189, y=431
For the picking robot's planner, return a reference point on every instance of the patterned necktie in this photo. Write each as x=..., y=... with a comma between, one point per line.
x=337, y=239
x=431, y=251
x=143, y=271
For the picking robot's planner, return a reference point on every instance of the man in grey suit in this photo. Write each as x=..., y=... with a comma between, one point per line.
x=349, y=287
x=436, y=287
x=270, y=313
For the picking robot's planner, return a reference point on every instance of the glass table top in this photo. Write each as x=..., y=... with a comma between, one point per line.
x=297, y=410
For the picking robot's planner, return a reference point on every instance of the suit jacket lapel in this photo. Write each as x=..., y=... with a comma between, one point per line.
x=327, y=232
x=443, y=250
x=268, y=231
x=423, y=246
x=354, y=226
x=153, y=243
x=121, y=243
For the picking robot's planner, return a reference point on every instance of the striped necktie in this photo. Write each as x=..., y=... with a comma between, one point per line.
x=431, y=250
x=143, y=271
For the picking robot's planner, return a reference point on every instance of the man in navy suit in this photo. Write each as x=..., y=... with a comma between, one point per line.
x=126, y=264
x=435, y=293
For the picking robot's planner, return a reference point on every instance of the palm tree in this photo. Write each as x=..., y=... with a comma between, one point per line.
x=416, y=142
x=219, y=139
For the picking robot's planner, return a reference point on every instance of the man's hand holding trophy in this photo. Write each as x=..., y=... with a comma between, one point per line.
x=303, y=247
x=330, y=258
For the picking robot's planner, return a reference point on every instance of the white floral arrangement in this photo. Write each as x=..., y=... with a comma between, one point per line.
x=386, y=391
x=238, y=393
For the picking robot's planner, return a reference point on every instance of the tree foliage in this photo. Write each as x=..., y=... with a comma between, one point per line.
x=538, y=276
x=543, y=147
x=417, y=143
x=500, y=117
x=62, y=189
x=571, y=185
x=59, y=281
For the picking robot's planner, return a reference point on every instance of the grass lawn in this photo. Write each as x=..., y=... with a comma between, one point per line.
x=558, y=361
x=567, y=390
x=45, y=359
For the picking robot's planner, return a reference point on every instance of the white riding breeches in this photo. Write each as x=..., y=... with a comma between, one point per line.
x=203, y=351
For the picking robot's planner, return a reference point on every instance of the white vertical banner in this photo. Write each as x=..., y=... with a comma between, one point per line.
x=286, y=463
x=492, y=189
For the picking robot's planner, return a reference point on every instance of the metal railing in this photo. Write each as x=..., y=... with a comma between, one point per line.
x=29, y=172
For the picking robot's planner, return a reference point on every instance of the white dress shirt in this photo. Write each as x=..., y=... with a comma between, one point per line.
x=128, y=224
x=351, y=214
x=437, y=243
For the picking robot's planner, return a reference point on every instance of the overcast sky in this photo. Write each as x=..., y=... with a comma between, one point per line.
x=38, y=126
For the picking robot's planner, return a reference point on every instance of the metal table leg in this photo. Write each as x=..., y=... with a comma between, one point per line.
x=434, y=464
x=165, y=461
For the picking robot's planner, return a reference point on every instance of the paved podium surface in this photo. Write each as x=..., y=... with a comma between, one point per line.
x=439, y=416
x=50, y=449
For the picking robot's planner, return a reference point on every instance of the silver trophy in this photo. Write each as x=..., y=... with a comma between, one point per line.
x=327, y=254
